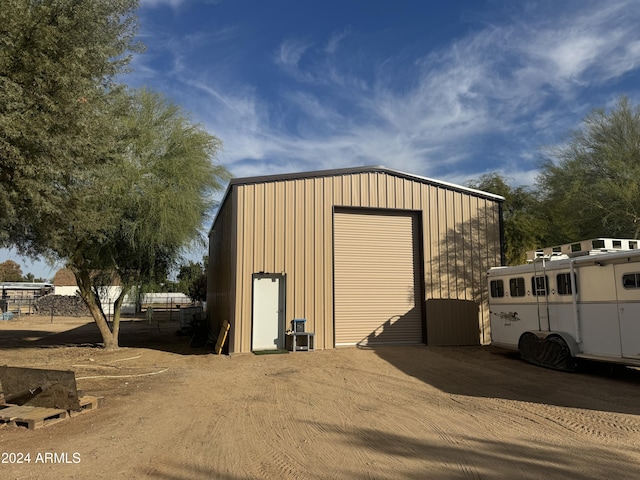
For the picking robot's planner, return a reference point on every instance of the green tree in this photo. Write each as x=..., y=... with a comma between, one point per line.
x=187, y=273
x=130, y=220
x=192, y=280
x=115, y=183
x=524, y=228
x=10, y=271
x=591, y=186
x=58, y=59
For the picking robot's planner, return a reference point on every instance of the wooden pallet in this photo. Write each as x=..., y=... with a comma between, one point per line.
x=36, y=417
x=31, y=417
x=88, y=403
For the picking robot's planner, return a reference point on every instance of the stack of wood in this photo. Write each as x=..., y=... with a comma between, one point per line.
x=62, y=305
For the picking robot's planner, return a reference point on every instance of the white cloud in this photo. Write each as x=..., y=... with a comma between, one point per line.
x=290, y=52
x=516, y=81
x=158, y=3
x=174, y=3
x=335, y=39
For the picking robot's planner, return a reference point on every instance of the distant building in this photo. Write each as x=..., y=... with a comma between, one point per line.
x=65, y=284
x=24, y=290
x=19, y=297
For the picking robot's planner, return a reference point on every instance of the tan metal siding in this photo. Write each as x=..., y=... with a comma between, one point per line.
x=286, y=226
x=289, y=247
x=259, y=223
x=467, y=255
x=382, y=192
x=283, y=229
x=425, y=207
x=222, y=269
x=279, y=245
x=246, y=247
x=325, y=323
x=317, y=259
x=311, y=288
x=299, y=267
x=458, y=283
x=377, y=279
x=270, y=215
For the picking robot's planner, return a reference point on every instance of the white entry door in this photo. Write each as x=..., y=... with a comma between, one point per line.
x=268, y=312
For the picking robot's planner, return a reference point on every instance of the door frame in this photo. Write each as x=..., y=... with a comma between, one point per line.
x=281, y=277
x=418, y=245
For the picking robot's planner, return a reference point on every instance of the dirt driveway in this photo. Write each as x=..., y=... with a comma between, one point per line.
x=176, y=413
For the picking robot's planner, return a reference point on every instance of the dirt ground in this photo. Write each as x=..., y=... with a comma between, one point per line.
x=175, y=413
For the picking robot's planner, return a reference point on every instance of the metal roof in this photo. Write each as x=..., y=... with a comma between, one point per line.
x=356, y=170
x=352, y=171
x=24, y=285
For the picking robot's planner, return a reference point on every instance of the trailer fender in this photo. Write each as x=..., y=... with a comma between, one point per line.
x=549, y=349
x=567, y=337
x=569, y=340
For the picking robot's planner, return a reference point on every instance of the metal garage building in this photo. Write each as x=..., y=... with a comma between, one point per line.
x=366, y=255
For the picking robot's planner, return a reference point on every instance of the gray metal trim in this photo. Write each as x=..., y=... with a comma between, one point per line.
x=365, y=169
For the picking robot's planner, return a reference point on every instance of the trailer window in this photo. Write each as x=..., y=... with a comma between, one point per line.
x=497, y=288
x=631, y=280
x=516, y=287
x=539, y=285
x=563, y=280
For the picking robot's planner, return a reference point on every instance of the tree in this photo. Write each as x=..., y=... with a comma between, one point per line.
x=591, y=186
x=58, y=59
x=192, y=280
x=187, y=273
x=30, y=277
x=116, y=183
x=10, y=271
x=130, y=219
x=524, y=228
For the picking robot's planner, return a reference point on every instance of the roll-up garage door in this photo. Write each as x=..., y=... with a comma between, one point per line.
x=377, y=278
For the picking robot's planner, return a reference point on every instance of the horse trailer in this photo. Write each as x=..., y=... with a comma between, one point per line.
x=574, y=301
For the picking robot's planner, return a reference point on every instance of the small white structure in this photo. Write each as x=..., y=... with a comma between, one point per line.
x=569, y=303
x=65, y=284
x=20, y=297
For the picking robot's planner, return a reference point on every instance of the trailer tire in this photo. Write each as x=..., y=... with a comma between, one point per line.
x=529, y=346
x=557, y=354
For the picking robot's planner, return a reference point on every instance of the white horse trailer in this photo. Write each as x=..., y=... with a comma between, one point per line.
x=570, y=303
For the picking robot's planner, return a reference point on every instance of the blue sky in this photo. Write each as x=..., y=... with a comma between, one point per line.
x=445, y=89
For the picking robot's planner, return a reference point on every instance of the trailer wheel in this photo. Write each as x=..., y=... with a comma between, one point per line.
x=557, y=355
x=529, y=346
